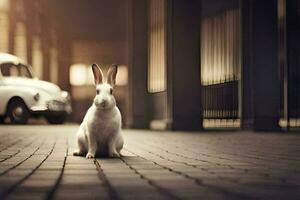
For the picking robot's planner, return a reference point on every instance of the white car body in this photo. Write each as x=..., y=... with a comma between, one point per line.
x=40, y=97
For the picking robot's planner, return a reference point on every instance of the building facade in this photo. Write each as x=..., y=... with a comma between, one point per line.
x=202, y=64
x=184, y=65
x=28, y=32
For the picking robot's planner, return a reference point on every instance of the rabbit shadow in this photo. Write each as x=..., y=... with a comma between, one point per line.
x=106, y=156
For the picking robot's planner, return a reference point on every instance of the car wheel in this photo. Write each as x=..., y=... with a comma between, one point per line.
x=56, y=119
x=2, y=118
x=18, y=112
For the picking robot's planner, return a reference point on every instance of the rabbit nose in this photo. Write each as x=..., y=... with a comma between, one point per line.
x=103, y=103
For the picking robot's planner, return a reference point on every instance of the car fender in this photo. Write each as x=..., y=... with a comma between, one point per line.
x=8, y=92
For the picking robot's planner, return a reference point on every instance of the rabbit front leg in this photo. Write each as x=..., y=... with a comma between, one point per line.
x=81, y=142
x=92, y=144
x=112, y=149
x=81, y=151
x=115, y=145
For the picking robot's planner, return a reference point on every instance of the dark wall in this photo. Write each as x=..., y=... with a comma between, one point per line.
x=92, y=19
x=97, y=28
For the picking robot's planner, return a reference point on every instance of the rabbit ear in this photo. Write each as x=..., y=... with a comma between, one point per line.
x=112, y=74
x=98, y=75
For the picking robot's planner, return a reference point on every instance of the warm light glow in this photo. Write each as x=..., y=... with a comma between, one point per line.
x=157, y=74
x=81, y=74
x=53, y=65
x=4, y=32
x=37, y=57
x=122, y=75
x=220, y=48
x=4, y=5
x=20, y=42
x=90, y=76
x=221, y=123
x=78, y=74
x=292, y=123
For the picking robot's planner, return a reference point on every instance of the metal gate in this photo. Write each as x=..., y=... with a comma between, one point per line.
x=220, y=101
x=220, y=68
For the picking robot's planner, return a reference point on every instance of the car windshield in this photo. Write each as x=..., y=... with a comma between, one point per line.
x=9, y=69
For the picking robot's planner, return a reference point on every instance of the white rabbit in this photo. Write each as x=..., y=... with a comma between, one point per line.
x=100, y=131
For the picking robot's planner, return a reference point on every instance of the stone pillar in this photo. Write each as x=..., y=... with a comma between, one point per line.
x=260, y=76
x=184, y=87
x=138, y=112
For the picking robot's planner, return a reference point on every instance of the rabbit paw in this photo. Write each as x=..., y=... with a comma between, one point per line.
x=90, y=156
x=114, y=155
x=77, y=153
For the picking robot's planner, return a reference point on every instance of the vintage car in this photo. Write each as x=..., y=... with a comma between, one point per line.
x=22, y=95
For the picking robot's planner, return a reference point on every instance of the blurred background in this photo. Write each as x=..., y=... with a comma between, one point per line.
x=61, y=39
x=183, y=65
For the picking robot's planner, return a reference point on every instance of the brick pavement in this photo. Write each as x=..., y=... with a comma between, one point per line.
x=36, y=162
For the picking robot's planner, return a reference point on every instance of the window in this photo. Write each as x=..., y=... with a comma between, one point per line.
x=157, y=46
x=9, y=69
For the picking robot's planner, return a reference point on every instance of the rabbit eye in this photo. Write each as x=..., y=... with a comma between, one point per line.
x=97, y=91
x=111, y=90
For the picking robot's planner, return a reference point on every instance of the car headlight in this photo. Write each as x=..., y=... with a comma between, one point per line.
x=36, y=97
x=65, y=95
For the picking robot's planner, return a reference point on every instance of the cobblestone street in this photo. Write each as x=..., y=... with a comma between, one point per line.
x=37, y=163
